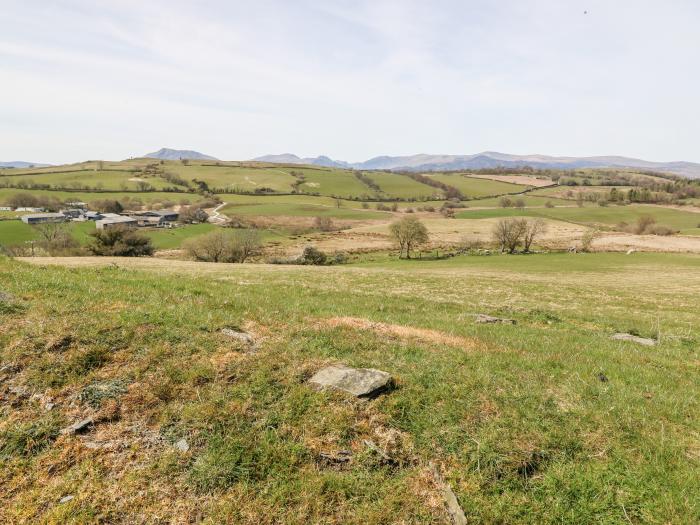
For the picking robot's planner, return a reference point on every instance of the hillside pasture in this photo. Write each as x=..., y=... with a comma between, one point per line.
x=545, y=421
x=473, y=188
x=402, y=187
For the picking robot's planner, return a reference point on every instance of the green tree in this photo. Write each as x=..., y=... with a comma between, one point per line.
x=120, y=241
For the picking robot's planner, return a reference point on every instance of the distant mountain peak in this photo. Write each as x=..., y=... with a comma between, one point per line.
x=177, y=154
x=489, y=159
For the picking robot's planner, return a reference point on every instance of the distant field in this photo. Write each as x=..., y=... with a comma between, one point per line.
x=105, y=179
x=265, y=207
x=236, y=178
x=394, y=185
x=593, y=214
x=151, y=196
x=525, y=180
x=341, y=183
x=474, y=188
x=530, y=199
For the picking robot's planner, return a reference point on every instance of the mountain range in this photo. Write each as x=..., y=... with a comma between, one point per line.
x=22, y=164
x=489, y=159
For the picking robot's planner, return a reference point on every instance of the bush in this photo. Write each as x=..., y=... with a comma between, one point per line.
x=192, y=215
x=225, y=246
x=325, y=224
x=314, y=256
x=660, y=229
x=120, y=241
x=548, y=204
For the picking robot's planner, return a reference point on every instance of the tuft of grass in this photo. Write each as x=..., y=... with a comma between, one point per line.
x=28, y=438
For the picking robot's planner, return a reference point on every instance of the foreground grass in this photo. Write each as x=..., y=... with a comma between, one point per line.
x=516, y=417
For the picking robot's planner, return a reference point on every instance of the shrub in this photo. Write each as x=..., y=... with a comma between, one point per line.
x=548, y=204
x=230, y=246
x=314, y=256
x=120, y=241
x=508, y=234
x=660, y=229
x=325, y=224
x=644, y=223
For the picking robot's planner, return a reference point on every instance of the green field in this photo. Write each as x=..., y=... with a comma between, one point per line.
x=16, y=232
x=402, y=187
x=88, y=179
x=547, y=421
x=473, y=188
x=333, y=182
x=592, y=214
x=230, y=178
x=296, y=205
x=86, y=196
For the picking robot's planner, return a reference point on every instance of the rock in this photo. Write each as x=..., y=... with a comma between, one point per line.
x=80, y=426
x=182, y=445
x=482, y=318
x=451, y=502
x=5, y=297
x=19, y=391
x=634, y=339
x=602, y=377
x=243, y=337
x=360, y=382
x=630, y=251
x=66, y=499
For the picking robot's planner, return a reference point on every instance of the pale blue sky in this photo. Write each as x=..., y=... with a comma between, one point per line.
x=349, y=79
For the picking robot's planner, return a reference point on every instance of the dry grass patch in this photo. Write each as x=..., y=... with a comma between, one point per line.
x=425, y=335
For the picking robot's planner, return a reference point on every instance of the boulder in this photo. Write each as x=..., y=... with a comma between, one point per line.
x=243, y=337
x=483, y=318
x=634, y=339
x=80, y=426
x=360, y=382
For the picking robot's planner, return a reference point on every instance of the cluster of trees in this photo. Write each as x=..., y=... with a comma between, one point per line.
x=223, y=246
x=646, y=225
x=507, y=202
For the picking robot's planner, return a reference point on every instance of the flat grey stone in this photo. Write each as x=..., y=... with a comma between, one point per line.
x=360, y=382
x=66, y=499
x=483, y=318
x=243, y=337
x=182, y=445
x=634, y=339
x=78, y=427
x=5, y=297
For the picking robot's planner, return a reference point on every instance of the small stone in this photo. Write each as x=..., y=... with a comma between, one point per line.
x=182, y=445
x=66, y=499
x=5, y=297
x=243, y=337
x=602, y=377
x=80, y=426
x=482, y=318
x=634, y=339
x=360, y=382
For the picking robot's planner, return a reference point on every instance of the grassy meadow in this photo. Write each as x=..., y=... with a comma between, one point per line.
x=547, y=421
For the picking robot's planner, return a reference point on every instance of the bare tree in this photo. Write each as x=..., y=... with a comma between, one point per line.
x=532, y=230
x=508, y=233
x=325, y=224
x=408, y=233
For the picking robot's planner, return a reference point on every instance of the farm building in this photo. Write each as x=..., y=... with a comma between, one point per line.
x=72, y=213
x=111, y=222
x=93, y=215
x=31, y=210
x=5, y=208
x=166, y=215
x=39, y=218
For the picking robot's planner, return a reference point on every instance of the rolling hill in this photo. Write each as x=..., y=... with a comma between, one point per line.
x=177, y=154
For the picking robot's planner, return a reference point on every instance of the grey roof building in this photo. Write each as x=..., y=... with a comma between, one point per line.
x=39, y=218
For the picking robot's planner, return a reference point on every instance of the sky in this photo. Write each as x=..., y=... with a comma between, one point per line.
x=349, y=79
